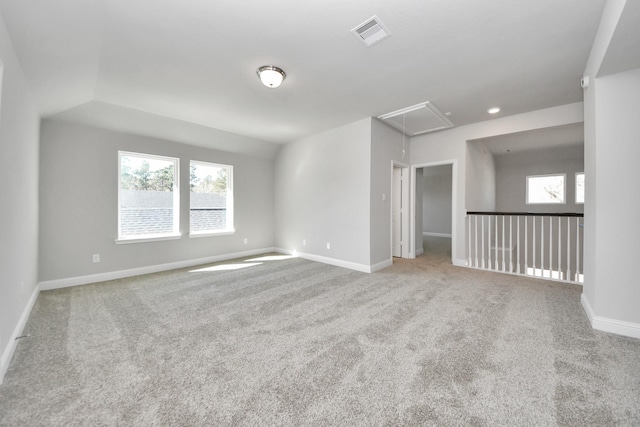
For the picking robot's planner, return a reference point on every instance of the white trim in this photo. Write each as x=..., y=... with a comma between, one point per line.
x=7, y=353
x=337, y=262
x=381, y=265
x=460, y=262
x=120, y=274
x=419, y=251
x=197, y=234
x=147, y=238
x=605, y=324
x=429, y=233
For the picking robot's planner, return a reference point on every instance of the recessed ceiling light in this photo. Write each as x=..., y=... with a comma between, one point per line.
x=493, y=110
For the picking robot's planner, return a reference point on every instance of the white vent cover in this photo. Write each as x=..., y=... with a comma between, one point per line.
x=417, y=119
x=371, y=31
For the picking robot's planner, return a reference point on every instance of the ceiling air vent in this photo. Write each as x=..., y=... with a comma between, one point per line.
x=371, y=31
x=417, y=119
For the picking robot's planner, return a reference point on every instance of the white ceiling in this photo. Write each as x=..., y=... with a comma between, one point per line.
x=565, y=136
x=188, y=68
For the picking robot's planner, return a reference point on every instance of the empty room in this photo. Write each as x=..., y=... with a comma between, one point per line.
x=319, y=213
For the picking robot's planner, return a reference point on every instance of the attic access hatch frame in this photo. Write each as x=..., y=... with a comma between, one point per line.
x=417, y=119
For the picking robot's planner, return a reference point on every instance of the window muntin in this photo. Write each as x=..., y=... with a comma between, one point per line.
x=211, y=198
x=546, y=189
x=580, y=187
x=148, y=196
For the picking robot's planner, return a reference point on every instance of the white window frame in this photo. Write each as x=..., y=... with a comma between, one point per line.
x=564, y=189
x=230, y=224
x=583, y=192
x=141, y=238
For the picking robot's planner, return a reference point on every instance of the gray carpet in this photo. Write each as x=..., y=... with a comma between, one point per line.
x=294, y=342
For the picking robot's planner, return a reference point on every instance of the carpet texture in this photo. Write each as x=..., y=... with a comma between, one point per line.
x=286, y=341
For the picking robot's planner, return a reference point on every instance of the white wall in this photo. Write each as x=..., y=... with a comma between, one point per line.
x=452, y=145
x=512, y=171
x=78, y=203
x=322, y=193
x=436, y=199
x=19, y=127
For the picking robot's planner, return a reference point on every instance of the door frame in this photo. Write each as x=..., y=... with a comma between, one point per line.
x=406, y=209
x=454, y=204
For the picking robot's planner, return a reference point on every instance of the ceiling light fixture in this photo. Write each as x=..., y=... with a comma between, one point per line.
x=493, y=110
x=271, y=76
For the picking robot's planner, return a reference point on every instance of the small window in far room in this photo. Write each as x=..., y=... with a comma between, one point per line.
x=211, y=200
x=580, y=187
x=546, y=189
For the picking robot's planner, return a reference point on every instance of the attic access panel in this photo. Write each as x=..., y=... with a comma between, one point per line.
x=417, y=119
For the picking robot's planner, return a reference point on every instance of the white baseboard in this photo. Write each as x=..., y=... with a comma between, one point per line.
x=428, y=233
x=331, y=261
x=120, y=274
x=8, y=351
x=419, y=251
x=605, y=324
x=381, y=265
x=460, y=262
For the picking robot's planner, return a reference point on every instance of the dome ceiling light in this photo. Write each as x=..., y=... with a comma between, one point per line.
x=271, y=76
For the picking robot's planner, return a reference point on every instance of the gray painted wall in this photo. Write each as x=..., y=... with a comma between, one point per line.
x=386, y=148
x=611, y=283
x=480, y=178
x=322, y=193
x=19, y=128
x=78, y=203
x=436, y=199
x=512, y=170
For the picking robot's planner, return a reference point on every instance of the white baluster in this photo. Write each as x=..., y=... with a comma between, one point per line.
x=568, y=276
x=510, y=244
x=476, y=240
x=482, y=237
x=559, y=248
x=518, y=243
x=577, y=249
x=550, y=246
x=495, y=250
x=542, y=246
x=533, y=249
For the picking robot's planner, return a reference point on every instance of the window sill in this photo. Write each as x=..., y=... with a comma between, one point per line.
x=197, y=234
x=145, y=239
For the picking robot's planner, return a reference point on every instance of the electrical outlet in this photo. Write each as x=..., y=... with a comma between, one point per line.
x=328, y=245
x=246, y=240
x=96, y=258
x=304, y=242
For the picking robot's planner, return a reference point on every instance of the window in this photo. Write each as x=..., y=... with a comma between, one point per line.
x=148, y=197
x=545, y=189
x=580, y=187
x=211, y=201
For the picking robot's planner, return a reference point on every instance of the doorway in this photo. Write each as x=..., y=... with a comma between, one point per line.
x=400, y=226
x=434, y=201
